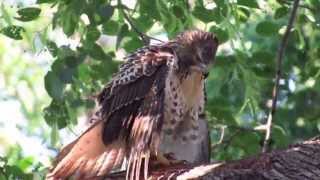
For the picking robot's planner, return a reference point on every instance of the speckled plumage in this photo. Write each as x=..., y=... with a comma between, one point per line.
x=153, y=101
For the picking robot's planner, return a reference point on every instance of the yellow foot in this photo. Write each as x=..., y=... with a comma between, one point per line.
x=163, y=160
x=166, y=160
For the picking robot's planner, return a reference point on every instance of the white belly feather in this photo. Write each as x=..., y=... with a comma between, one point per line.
x=183, y=101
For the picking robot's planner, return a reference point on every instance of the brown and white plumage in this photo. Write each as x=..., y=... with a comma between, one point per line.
x=156, y=96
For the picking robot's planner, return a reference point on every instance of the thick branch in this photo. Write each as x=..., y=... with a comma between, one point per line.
x=297, y=162
x=275, y=90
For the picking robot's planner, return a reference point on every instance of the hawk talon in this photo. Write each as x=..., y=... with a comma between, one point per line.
x=166, y=160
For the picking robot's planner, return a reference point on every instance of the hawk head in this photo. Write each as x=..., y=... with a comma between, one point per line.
x=195, y=50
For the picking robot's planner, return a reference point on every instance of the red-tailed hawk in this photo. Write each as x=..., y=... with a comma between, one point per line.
x=153, y=101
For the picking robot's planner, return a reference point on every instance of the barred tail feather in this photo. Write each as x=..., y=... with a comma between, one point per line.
x=88, y=157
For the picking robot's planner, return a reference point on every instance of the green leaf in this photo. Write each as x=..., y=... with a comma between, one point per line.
x=132, y=44
x=150, y=8
x=53, y=48
x=248, y=3
x=263, y=63
x=93, y=34
x=207, y=15
x=222, y=35
x=263, y=56
x=69, y=24
x=45, y=1
x=110, y=27
x=66, y=74
x=54, y=134
x=98, y=53
x=26, y=163
x=65, y=51
x=53, y=85
x=28, y=14
x=73, y=61
x=280, y=12
x=178, y=12
x=56, y=114
x=243, y=13
x=247, y=141
x=15, y=171
x=121, y=34
x=2, y=177
x=267, y=28
x=65, y=67
x=105, y=12
x=13, y=32
x=279, y=136
x=144, y=23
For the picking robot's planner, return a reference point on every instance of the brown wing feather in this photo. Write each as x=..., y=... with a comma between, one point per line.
x=122, y=97
x=124, y=101
x=145, y=131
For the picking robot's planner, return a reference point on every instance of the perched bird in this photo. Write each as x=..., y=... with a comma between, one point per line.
x=149, y=108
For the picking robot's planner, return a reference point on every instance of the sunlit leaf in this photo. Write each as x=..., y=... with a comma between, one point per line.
x=26, y=163
x=28, y=14
x=248, y=3
x=110, y=27
x=244, y=14
x=45, y=1
x=92, y=34
x=220, y=33
x=13, y=32
x=206, y=15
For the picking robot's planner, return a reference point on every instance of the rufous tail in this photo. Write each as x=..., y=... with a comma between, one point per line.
x=88, y=157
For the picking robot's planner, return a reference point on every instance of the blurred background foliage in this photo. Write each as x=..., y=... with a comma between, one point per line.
x=56, y=54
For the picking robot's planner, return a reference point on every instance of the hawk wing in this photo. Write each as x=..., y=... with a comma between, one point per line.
x=132, y=104
x=131, y=119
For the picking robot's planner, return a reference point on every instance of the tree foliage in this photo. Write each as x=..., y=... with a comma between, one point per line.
x=240, y=83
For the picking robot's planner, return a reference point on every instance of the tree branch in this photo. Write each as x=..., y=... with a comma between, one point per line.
x=144, y=37
x=275, y=90
x=298, y=161
x=305, y=6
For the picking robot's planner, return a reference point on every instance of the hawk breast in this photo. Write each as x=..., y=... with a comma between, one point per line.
x=184, y=99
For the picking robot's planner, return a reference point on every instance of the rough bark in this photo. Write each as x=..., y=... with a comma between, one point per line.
x=297, y=162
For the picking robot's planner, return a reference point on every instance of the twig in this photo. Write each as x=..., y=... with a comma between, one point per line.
x=222, y=128
x=275, y=90
x=300, y=5
x=145, y=38
x=223, y=141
